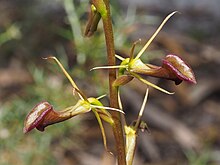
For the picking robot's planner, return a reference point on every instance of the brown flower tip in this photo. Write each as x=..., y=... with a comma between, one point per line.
x=178, y=69
x=36, y=116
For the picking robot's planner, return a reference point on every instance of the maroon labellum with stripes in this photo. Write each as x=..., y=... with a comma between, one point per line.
x=178, y=70
x=35, y=117
x=43, y=115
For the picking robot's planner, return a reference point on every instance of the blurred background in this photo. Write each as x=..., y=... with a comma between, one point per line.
x=184, y=127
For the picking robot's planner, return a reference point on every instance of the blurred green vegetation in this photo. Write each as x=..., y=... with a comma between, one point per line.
x=198, y=159
x=12, y=32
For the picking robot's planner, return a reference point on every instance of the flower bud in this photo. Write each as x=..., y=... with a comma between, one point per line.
x=93, y=20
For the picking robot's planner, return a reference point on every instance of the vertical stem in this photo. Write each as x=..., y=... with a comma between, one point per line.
x=117, y=127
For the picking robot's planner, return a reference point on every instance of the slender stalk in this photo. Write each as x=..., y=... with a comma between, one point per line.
x=117, y=126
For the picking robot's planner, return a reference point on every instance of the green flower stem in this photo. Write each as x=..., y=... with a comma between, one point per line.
x=117, y=126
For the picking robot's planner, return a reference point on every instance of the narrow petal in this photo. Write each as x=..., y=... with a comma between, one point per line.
x=154, y=35
x=151, y=84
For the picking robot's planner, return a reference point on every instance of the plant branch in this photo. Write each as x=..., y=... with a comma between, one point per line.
x=103, y=7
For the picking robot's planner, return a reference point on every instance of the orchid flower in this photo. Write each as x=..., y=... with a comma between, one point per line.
x=43, y=113
x=173, y=67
